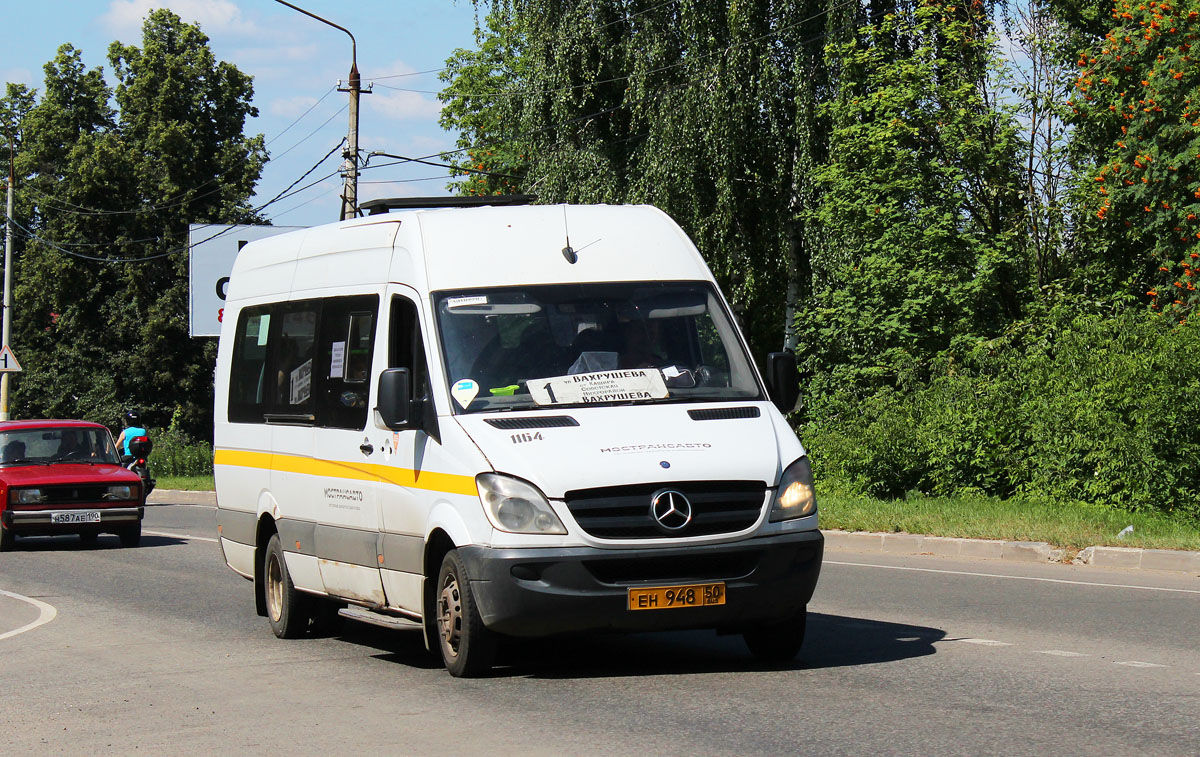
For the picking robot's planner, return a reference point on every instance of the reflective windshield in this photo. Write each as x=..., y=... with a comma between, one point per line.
x=57, y=445
x=569, y=344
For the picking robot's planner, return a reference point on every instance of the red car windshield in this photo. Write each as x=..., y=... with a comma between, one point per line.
x=46, y=446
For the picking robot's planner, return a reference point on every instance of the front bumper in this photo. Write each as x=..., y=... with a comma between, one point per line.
x=541, y=592
x=40, y=522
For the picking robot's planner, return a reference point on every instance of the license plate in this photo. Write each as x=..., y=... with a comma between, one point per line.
x=667, y=597
x=91, y=516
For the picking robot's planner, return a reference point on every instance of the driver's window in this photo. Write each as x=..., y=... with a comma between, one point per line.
x=407, y=348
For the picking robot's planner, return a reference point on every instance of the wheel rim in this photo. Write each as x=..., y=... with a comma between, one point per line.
x=274, y=588
x=450, y=615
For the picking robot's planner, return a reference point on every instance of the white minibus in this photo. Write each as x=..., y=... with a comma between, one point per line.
x=506, y=420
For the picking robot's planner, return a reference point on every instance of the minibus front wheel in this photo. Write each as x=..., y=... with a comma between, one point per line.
x=468, y=647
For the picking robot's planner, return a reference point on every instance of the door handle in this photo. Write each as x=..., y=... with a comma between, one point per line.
x=366, y=448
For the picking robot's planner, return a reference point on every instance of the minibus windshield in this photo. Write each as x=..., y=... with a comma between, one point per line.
x=590, y=344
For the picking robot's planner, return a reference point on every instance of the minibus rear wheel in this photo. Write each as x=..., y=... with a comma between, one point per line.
x=468, y=647
x=286, y=607
x=777, y=643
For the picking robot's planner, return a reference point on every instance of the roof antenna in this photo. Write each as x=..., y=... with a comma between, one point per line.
x=567, y=251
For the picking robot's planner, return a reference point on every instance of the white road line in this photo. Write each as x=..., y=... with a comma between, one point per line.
x=180, y=504
x=1013, y=578
x=180, y=536
x=1140, y=664
x=1061, y=653
x=982, y=642
x=46, y=613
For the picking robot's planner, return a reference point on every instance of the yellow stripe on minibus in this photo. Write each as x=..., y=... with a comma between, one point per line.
x=449, y=483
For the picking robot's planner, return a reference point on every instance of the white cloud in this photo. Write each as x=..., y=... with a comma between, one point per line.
x=125, y=17
x=403, y=106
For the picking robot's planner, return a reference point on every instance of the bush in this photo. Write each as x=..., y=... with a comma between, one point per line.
x=177, y=454
x=1070, y=406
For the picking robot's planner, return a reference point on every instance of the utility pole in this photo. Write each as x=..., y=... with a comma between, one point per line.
x=8, y=247
x=350, y=164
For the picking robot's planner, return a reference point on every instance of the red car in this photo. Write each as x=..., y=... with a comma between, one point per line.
x=62, y=477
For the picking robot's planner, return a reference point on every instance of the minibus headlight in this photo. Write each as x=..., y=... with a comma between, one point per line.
x=795, y=497
x=516, y=506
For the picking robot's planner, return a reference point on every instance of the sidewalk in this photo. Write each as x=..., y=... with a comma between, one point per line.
x=1021, y=551
x=912, y=544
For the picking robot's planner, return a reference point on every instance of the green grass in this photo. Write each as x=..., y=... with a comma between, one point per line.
x=186, y=483
x=1062, y=525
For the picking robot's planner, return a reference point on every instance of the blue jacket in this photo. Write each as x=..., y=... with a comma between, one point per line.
x=131, y=432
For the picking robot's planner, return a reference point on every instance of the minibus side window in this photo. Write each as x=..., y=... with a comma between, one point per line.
x=247, y=378
x=292, y=360
x=344, y=361
x=407, y=350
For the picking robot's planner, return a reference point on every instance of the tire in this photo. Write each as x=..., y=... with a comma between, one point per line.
x=88, y=538
x=287, y=608
x=468, y=647
x=130, y=536
x=7, y=540
x=777, y=643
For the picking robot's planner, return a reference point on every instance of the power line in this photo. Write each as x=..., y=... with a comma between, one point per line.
x=300, y=117
x=311, y=133
x=285, y=193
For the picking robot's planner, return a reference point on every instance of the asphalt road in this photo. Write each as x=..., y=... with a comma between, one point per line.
x=158, y=649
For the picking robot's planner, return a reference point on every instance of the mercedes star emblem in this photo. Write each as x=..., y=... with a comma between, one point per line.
x=671, y=510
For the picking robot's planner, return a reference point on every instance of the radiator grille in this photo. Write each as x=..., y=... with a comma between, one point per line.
x=623, y=512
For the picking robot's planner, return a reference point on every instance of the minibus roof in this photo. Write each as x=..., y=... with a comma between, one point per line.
x=473, y=247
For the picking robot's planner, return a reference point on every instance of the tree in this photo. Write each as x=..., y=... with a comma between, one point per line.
x=1137, y=121
x=110, y=193
x=920, y=202
x=703, y=109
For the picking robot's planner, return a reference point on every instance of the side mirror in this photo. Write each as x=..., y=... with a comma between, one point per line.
x=395, y=403
x=783, y=380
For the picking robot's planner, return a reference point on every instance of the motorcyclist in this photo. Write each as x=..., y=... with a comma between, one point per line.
x=133, y=429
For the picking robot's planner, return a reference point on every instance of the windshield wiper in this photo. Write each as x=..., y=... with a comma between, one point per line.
x=25, y=461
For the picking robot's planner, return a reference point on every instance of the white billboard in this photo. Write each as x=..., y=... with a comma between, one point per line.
x=214, y=247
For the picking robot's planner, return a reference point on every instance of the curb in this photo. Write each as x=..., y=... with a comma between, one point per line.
x=1020, y=551
x=181, y=497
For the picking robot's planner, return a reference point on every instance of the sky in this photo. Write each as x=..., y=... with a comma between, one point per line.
x=296, y=63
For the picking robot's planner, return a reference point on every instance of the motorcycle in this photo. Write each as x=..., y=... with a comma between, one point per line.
x=140, y=447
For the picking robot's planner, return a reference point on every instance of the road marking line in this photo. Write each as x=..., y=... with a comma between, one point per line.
x=983, y=642
x=180, y=504
x=1140, y=664
x=180, y=536
x=1061, y=653
x=46, y=613
x=1014, y=578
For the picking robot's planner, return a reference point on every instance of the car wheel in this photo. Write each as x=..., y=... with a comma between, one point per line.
x=7, y=539
x=287, y=609
x=468, y=647
x=130, y=536
x=88, y=538
x=777, y=642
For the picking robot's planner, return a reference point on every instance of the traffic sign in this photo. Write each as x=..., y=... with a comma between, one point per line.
x=8, y=361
